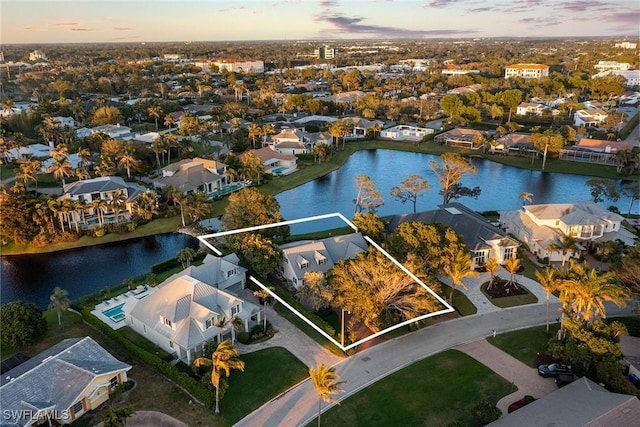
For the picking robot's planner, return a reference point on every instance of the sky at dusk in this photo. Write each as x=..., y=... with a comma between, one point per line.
x=54, y=21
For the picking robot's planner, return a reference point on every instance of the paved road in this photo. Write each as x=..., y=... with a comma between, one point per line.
x=299, y=405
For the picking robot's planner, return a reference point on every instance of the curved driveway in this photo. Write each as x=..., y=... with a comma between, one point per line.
x=298, y=406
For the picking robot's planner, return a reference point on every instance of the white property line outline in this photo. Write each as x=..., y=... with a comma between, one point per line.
x=448, y=308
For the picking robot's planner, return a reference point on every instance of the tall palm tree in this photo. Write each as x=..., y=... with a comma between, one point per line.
x=169, y=121
x=263, y=295
x=61, y=169
x=147, y=204
x=492, y=266
x=185, y=256
x=564, y=244
x=548, y=279
x=255, y=131
x=223, y=360
x=512, y=265
x=325, y=381
x=128, y=159
x=155, y=113
x=461, y=266
x=59, y=302
x=585, y=291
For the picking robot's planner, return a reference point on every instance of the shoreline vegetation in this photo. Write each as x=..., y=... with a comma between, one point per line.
x=310, y=171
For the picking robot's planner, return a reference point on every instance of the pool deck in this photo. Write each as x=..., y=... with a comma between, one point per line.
x=128, y=299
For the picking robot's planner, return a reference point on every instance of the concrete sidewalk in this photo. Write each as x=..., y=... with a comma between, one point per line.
x=524, y=377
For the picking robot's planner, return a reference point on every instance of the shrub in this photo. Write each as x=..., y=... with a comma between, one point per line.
x=243, y=337
x=131, y=226
x=486, y=412
x=22, y=323
x=99, y=231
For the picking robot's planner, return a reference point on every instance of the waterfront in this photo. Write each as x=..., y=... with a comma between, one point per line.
x=501, y=186
x=85, y=270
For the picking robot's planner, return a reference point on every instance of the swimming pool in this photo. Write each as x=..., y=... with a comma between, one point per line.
x=115, y=313
x=278, y=170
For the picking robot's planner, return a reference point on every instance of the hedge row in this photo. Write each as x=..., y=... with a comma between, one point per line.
x=198, y=390
x=173, y=262
x=318, y=321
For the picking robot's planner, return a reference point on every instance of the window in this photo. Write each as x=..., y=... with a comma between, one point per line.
x=479, y=257
x=77, y=407
x=171, y=344
x=235, y=309
x=168, y=322
x=304, y=264
x=113, y=381
x=321, y=261
x=509, y=252
x=207, y=323
x=231, y=272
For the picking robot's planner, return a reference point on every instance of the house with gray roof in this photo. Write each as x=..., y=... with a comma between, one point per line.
x=305, y=256
x=581, y=403
x=195, y=175
x=60, y=384
x=540, y=225
x=484, y=240
x=194, y=307
x=92, y=192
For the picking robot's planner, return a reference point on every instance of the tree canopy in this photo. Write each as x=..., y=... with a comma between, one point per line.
x=22, y=323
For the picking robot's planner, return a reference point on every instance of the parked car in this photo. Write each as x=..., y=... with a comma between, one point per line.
x=634, y=380
x=554, y=369
x=563, y=380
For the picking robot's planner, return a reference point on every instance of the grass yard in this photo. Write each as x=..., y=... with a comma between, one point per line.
x=525, y=344
x=267, y=373
x=436, y=391
x=462, y=304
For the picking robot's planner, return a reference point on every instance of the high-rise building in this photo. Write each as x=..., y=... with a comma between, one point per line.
x=325, y=52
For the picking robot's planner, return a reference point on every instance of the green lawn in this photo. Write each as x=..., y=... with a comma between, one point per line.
x=525, y=344
x=436, y=391
x=462, y=304
x=514, y=301
x=267, y=373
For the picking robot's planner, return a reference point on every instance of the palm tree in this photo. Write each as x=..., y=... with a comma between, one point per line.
x=158, y=147
x=117, y=202
x=59, y=301
x=82, y=173
x=155, y=113
x=128, y=159
x=29, y=171
x=325, y=381
x=548, y=280
x=492, y=266
x=585, y=291
x=526, y=197
x=512, y=265
x=224, y=359
x=168, y=121
x=185, y=256
x=263, y=295
x=147, y=204
x=459, y=268
x=197, y=206
x=61, y=169
x=85, y=157
x=564, y=244
x=254, y=131
x=117, y=417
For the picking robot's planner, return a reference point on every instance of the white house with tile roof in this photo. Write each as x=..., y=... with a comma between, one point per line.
x=193, y=175
x=60, y=384
x=540, y=225
x=589, y=118
x=289, y=141
x=184, y=312
x=301, y=257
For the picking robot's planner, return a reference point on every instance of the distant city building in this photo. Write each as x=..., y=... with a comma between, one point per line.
x=172, y=56
x=612, y=65
x=37, y=55
x=1, y=56
x=626, y=45
x=526, y=71
x=631, y=76
x=455, y=72
x=237, y=66
x=325, y=52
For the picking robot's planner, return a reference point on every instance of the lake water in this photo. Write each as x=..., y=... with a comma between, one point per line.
x=501, y=187
x=85, y=270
